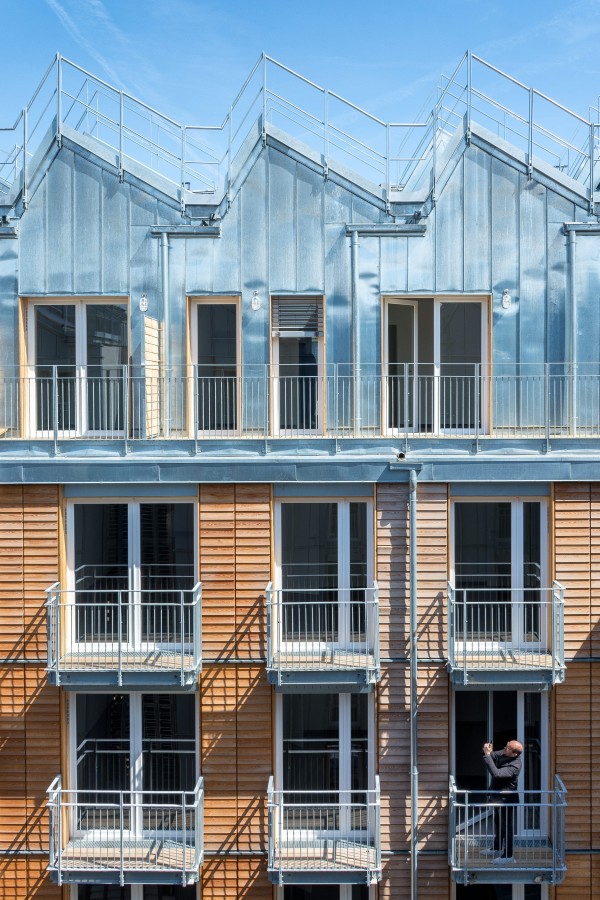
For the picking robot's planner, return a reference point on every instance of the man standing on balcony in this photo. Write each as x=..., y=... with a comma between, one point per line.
x=505, y=767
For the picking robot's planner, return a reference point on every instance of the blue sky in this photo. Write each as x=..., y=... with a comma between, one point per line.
x=188, y=58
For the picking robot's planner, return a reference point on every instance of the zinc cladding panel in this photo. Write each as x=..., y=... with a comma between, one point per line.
x=572, y=552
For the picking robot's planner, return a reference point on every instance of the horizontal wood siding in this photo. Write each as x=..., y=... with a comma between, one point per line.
x=393, y=749
x=243, y=878
x=11, y=572
x=252, y=568
x=217, y=569
x=391, y=542
x=572, y=553
x=573, y=751
x=13, y=803
x=432, y=569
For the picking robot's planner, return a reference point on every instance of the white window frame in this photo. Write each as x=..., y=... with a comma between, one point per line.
x=277, y=429
x=438, y=300
x=133, y=505
x=516, y=561
x=195, y=303
x=343, y=558
x=546, y=749
x=80, y=367
x=135, y=756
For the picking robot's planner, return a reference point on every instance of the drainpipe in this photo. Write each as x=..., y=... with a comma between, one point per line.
x=354, y=243
x=414, y=771
x=166, y=359
x=572, y=246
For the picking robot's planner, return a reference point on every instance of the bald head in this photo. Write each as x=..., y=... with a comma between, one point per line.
x=513, y=748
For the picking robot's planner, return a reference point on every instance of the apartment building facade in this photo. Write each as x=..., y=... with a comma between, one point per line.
x=299, y=496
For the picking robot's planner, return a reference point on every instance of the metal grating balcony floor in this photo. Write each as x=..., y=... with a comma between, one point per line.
x=326, y=855
x=529, y=853
x=132, y=661
x=503, y=660
x=139, y=855
x=323, y=660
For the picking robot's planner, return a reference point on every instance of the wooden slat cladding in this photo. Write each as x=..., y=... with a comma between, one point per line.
x=432, y=568
x=393, y=747
x=392, y=568
x=235, y=568
x=573, y=753
x=578, y=882
x=236, y=756
x=243, y=878
x=28, y=565
x=11, y=571
x=595, y=570
x=42, y=752
x=13, y=831
x=573, y=561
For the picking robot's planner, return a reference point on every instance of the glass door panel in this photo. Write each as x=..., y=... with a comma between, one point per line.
x=298, y=384
x=460, y=356
x=101, y=573
x=168, y=754
x=167, y=572
x=55, y=346
x=309, y=571
x=471, y=732
x=106, y=354
x=311, y=755
x=217, y=366
x=401, y=365
x=483, y=569
x=103, y=764
x=535, y=618
x=358, y=573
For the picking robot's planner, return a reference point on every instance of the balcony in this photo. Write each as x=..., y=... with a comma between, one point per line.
x=506, y=636
x=544, y=402
x=101, y=634
x=323, y=637
x=538, y=824
x=324, y=837
x=125, y=837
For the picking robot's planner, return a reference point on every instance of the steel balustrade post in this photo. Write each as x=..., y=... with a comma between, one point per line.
x=25, y=139
x=181, y=636
x=530, y=137
x=59, y=99
x=547, y=406
x=469, y=94
x=121, y=116
x=121, y=826
x=406, y=395
x=125, y=401
x=55, y=407
x=120, y=635
x=264, y=98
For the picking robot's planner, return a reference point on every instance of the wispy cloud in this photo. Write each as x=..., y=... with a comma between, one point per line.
x=75, y=30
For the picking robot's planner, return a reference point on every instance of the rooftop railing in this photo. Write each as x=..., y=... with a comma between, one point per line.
x=503, y=634
x=323, y=634
x=399, y=156
x=101, y=629
x=334, y=835
x=125, y=837
x=533, y=821
x=130, y=403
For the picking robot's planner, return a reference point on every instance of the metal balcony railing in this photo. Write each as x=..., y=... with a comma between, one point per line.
x=398, y=156
x=504, y=634
x=132, y=403
x=334, y=835
x=103, y=628
x=323, y=634
x=536, y=821
x=125, y=836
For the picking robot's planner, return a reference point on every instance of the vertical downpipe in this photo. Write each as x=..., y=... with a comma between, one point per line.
x=355, y=331
x=572, y=247
x=164, y=258
x=414, y=771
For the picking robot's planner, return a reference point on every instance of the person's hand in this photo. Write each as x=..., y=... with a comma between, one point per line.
x=487, y=749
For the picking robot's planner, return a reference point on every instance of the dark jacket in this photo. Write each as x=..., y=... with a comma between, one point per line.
x=504, y=770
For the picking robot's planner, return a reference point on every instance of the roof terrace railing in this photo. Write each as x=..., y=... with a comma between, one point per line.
x=544, y=401
x=200, y=159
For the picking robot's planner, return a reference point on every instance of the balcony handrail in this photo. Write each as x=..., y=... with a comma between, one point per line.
x=544, y=401
x=74, y=626
x=343, y=618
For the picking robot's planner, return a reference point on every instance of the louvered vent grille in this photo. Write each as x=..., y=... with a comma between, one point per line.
x=299, y=316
